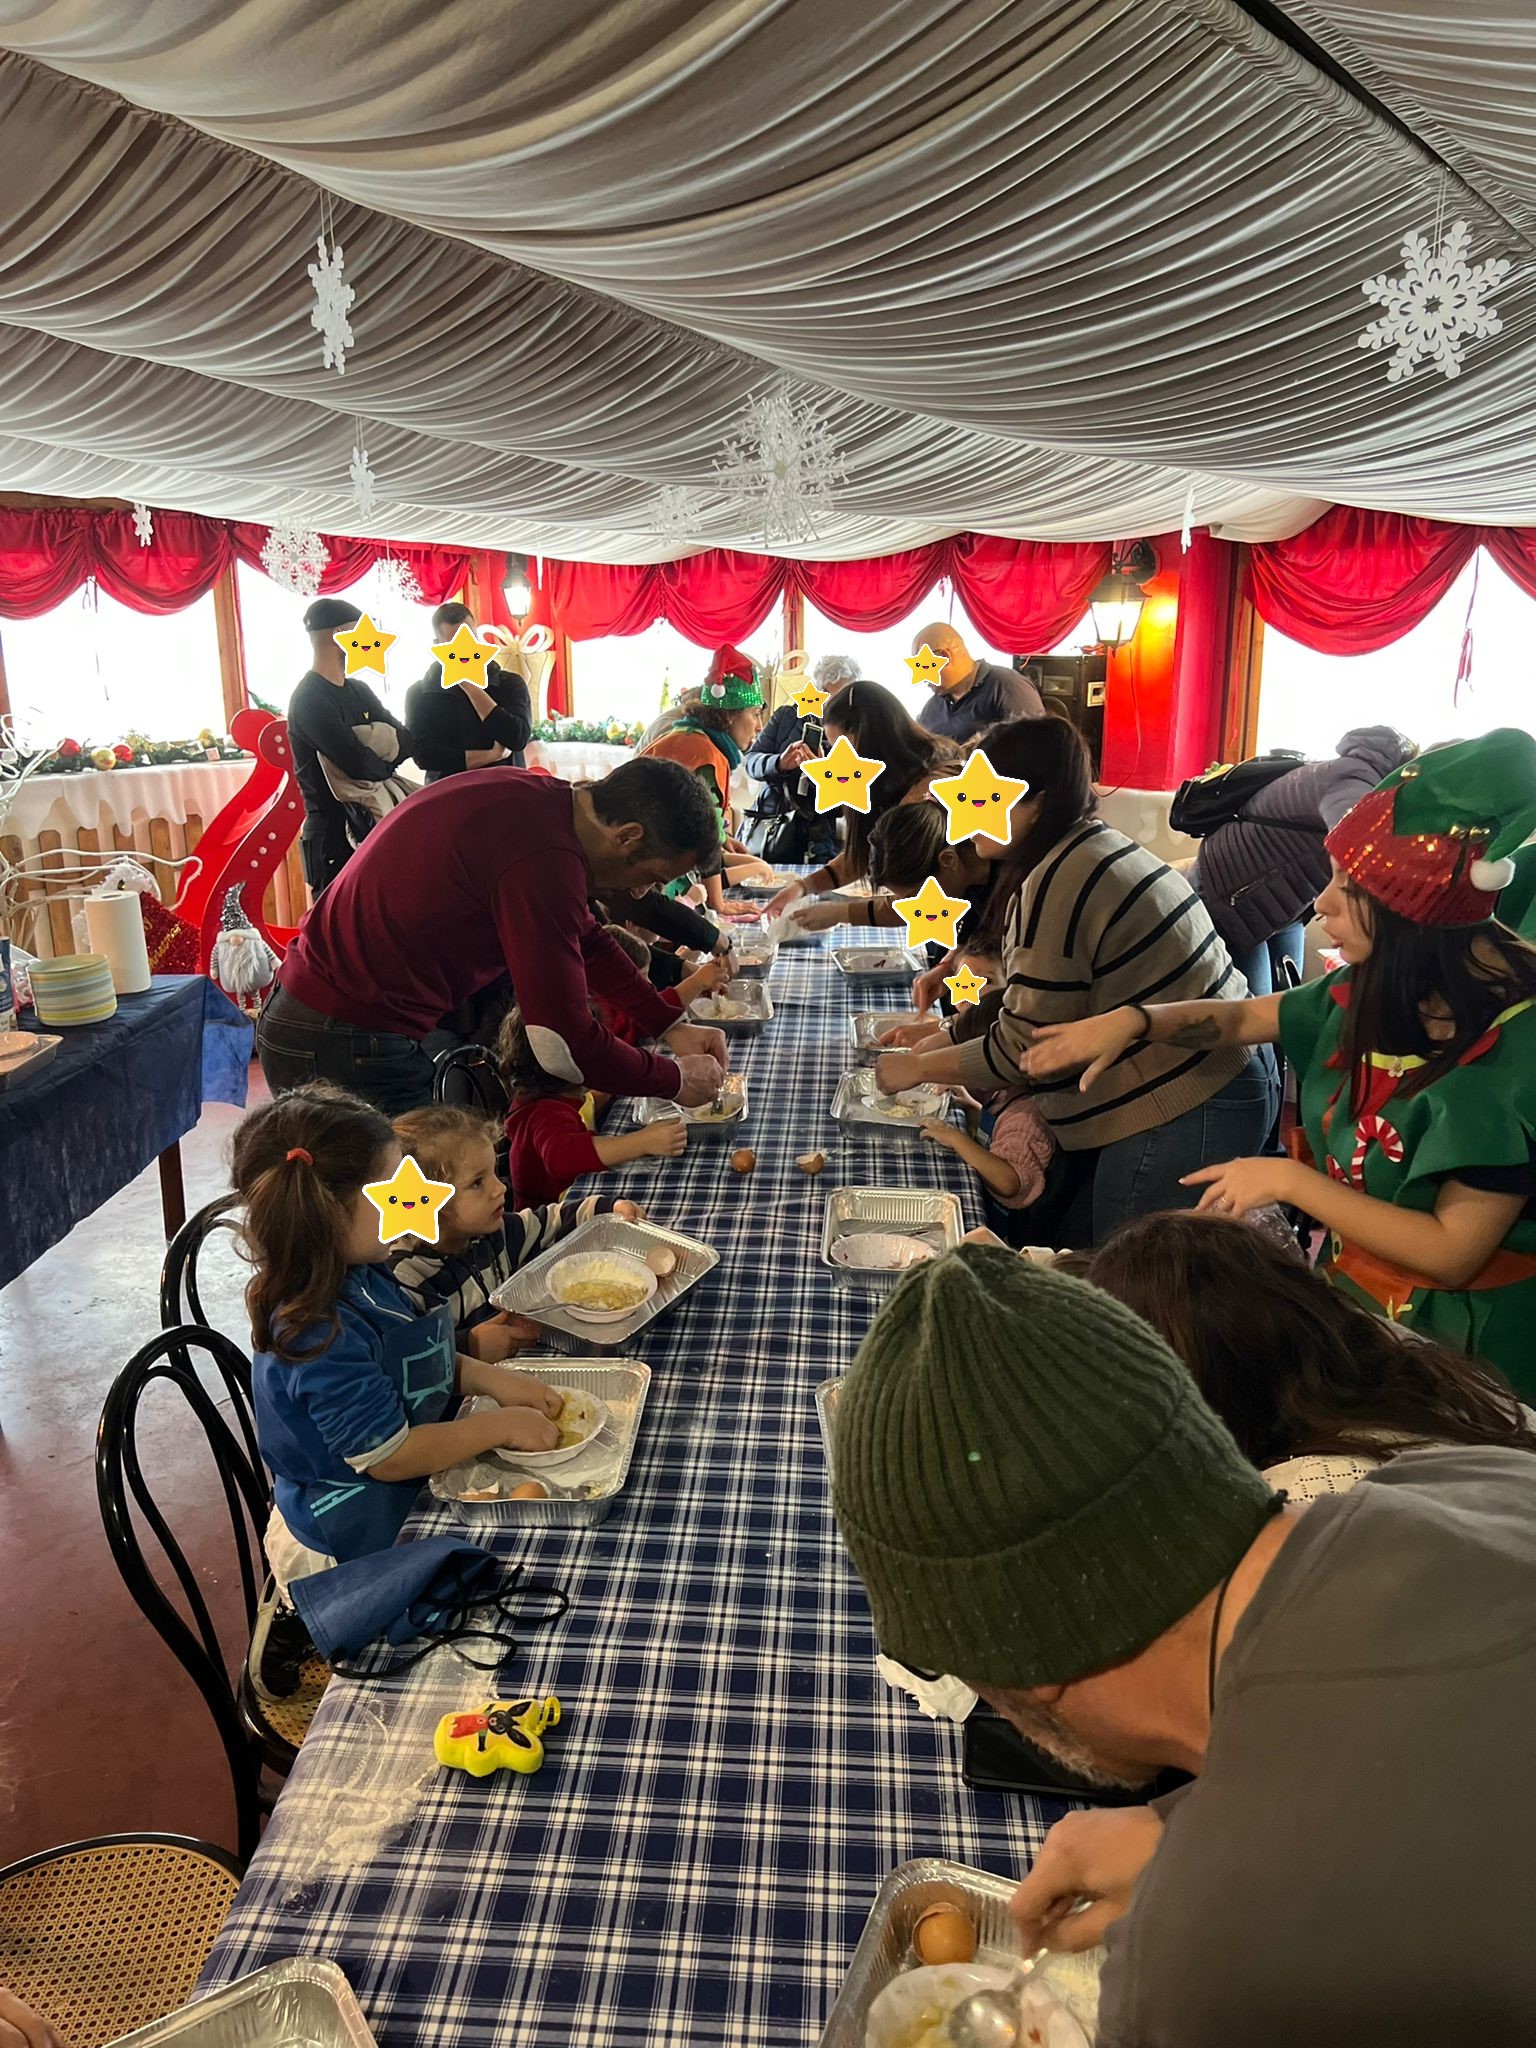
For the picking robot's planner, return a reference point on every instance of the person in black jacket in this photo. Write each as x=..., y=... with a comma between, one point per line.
x=466, y=726
x=775, y=759
x=326, y=706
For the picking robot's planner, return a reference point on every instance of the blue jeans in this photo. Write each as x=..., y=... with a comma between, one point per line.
x=1139, y=1176
x=1261, y=968
x=296, y=1044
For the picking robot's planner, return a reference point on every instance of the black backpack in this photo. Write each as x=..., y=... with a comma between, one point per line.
x=1222, y=793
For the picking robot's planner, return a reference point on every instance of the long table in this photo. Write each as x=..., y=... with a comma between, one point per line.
x=732, y=1778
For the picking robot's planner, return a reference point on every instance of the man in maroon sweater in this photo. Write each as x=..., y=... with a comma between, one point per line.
x=480, y=875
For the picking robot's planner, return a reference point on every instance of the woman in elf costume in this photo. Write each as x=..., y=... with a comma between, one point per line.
x=1415, y=1062
x=710, y=742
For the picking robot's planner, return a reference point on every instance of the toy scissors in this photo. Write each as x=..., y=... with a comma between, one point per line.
x=502, y=1736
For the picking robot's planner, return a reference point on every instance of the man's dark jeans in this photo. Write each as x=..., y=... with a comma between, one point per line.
x=296, y=1044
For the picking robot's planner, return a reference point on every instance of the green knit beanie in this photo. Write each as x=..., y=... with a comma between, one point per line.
x=1027, y=1479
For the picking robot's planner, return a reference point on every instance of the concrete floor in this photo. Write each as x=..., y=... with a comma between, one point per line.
x=100, y=1729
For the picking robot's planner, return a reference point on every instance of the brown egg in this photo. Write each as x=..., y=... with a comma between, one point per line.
x=743, y=1160
x=531, y=1489
x=944, y=1934
x=811, y=1162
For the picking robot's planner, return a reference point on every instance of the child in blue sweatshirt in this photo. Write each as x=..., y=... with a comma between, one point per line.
x=355, y=1391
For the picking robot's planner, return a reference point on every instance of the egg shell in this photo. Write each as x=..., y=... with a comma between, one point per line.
x=944, y=1934
x=530, y=1489
x=662, y=1260
x=744, y=1160
x=811, y=1162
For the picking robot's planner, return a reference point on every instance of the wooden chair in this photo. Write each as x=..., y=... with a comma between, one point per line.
x=106, y=1935
x=466, y=1077
x=255, y=1736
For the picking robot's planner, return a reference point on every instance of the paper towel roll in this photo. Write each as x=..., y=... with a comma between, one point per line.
x=117, y=931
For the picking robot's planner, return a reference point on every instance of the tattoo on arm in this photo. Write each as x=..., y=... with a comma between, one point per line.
x=1198, y=1035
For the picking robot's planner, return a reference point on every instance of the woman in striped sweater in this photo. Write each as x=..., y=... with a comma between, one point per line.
x=1094, y=922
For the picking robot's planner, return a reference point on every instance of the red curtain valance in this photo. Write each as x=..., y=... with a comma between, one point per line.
x=1355, y=581
x=1024, y=595
x=47, y=553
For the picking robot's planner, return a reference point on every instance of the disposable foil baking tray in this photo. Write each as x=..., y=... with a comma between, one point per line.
x=878, y=963
x=863, y=1111
x=526, y=1293
x=702, y=1129
x=304, y=2002
x=751, y=998
x=927, y=1214
x=752, y=954
x=827, y=1397
x=866, y=1025
x=581, y=1493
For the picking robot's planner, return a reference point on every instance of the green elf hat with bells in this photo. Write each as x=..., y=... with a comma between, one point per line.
x=1433, y=841
x=731, y=684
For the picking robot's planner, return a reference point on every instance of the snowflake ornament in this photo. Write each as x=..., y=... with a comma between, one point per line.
x=677, y=514
x=333, y=302
x=783, y=467
x=143, y=524
x=396, y=580
x=364, y=482
x=1438, y=304
x=295, y=558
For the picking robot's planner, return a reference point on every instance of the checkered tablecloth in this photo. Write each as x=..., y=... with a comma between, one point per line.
x=732, y=1779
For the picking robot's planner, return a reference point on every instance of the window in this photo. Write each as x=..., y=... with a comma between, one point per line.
x=92, y=670
x=277, y=647
x=623, y=677
x=1309, y=701
x=881, y=655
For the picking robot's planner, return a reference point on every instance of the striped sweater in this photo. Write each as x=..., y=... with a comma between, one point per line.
x=1100, y=922
x=464, y=1282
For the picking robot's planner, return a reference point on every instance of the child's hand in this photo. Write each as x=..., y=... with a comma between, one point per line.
x=715, y=973
x=517, y=1390
x=984, y=1236
x=522, y=1429
x=631, y=1212
x=666, y=1138
x=501, y=1336
x=907, y=1037
x=940, y=1134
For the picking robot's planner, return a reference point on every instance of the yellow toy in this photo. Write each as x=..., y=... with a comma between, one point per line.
x=503, y=1736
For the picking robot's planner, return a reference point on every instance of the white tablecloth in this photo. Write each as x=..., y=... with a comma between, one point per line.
x=97, y=801
x=575, y=760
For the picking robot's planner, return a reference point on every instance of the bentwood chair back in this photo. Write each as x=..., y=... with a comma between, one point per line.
x=253, y=1735
x=180, y=1296
x=104, y=1936
x=467, y=1077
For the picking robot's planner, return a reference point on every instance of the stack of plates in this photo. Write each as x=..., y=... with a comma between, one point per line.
x=75, y=990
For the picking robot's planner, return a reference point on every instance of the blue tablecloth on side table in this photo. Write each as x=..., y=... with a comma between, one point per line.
x=731, y=1779
x=111, y=1100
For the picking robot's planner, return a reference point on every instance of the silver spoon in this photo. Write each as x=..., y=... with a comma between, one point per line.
x=987, y=2019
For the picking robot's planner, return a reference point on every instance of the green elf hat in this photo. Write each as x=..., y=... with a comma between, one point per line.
x=731, y=684
x=1433, y=841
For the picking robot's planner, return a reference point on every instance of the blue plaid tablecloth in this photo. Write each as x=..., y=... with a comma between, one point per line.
x=732, y=1779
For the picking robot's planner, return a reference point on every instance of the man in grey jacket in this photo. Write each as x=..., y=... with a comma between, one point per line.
x=1260, y=875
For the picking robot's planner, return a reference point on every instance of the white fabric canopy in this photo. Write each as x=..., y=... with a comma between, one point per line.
x=1043, y=267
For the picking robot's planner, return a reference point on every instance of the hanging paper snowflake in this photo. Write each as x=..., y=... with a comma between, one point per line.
x=1436, y=306
x=295, y=558
x=143, y=524
x=364, y=482
x=397, y=580
x=783, y=467
x=677, y=514
x=333, y=302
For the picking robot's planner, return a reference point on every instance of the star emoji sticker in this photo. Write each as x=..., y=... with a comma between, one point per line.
x=408, y=1203
x=979, y=801
x=930, y=914
x=843, y=777
x=926, y=666
x=809, y=701
x=365, y=645
x=964, y=988
x=464, y=659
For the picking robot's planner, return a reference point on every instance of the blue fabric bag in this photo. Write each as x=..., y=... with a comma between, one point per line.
x=428, y=1592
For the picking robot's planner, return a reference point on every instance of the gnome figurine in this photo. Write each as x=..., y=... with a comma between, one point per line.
x=243, y=964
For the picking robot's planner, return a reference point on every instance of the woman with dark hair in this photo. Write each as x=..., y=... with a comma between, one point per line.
x=1316, y=1391
x=1088, y=922
x=1416, y=1061
x=879, y=729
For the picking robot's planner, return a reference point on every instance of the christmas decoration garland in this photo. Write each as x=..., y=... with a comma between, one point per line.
x=135, y=750
x=555, y=730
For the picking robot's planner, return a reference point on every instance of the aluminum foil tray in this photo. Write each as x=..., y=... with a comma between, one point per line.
x=864, y=1112
x=771, y=887
x=525, y=1293
x=864, y=1024
x=581, y=1493
x=752, y=954
x=753, y=995
x=878, y=963
x=827, y=1395
x=650, y=1109
x=928, y=1214
x=303, y=2003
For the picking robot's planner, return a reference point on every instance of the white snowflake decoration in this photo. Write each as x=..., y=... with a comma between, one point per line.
x=396, y=580
x=783, y=467
x=364, y=482
x=143, y=524
x=333, y=302
x=1438, y=304
x=677, y=514
x=295, y=558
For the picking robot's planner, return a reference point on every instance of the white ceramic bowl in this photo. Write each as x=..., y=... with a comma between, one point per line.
x=591, y=1411
x=895, y=2016
x=599, y=1266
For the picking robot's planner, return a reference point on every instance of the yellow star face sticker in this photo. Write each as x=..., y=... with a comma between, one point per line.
x=926, y=666
x=808, y=700
x=979, y=801
x=843, y=777
x=365, y=645
x=464, y=658
x=408, y=1203
x=964, y=988
x=930, y=914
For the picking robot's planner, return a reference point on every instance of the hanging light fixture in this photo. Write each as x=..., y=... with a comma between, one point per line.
x=1116, y=604
x=517, y=588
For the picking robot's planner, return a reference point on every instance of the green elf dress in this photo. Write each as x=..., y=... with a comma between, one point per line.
x=1478, y=1120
